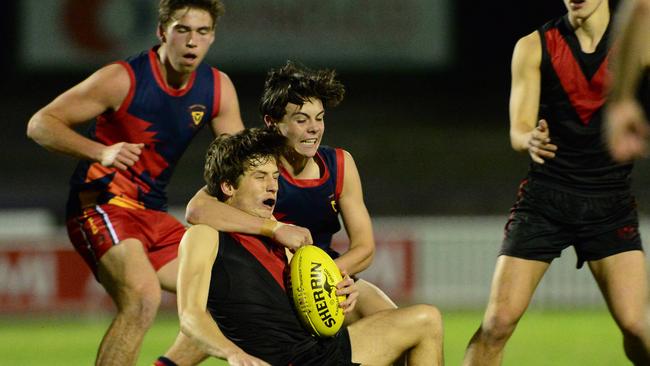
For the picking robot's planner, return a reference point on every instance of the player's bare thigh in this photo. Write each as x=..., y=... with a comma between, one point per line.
x=513, y=285
x=126, y=267
x=623, y=280
x=380, y=338
x=167, y=275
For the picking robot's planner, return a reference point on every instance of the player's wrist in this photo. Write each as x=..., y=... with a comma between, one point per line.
x=269, y=228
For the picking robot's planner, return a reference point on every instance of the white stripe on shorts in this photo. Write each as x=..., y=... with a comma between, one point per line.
x=108, y=224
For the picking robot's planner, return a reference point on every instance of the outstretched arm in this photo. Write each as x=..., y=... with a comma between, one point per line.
x=206, y=209
x=356, y=220
x=103, y=91
x=626, y=124
x=525, y=132
x=197, y=253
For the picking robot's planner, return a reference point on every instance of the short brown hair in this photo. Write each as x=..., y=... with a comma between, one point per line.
x=166, y=9
x=295, y=84
x=230, y=156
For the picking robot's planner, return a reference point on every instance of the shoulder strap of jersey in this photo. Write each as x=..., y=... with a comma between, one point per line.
x=340, y=171
x=216, y=104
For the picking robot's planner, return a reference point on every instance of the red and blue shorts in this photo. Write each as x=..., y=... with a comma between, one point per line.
x=101, y=227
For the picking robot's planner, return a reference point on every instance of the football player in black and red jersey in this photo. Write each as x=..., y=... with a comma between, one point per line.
x=574, y=194
x=232, y=296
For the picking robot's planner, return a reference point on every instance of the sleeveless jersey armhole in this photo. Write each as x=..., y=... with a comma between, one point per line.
x=126, y=103
x=545, y=56
x=216, y=103
x=340, y=172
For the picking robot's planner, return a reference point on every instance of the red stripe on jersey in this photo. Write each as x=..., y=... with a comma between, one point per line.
x=585, y=96
x=216, y=104
x=307, y=183
x=153, y=59
x=274, y=259
x=131, y=129
x=340, y=172
x=129, y=97
x=122, y=184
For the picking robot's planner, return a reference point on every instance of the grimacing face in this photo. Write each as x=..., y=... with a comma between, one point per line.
x=187, y=38
x=303, y=126
x=256, y=191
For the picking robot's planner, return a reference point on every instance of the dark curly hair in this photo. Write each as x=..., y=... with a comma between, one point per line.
x=166, y=9
x=295, y=84
x=230, y=156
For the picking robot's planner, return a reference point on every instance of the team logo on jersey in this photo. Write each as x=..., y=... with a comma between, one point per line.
x=197, y=111
x=334, y=203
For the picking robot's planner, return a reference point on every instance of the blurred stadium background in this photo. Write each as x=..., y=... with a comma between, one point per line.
x=425, y=117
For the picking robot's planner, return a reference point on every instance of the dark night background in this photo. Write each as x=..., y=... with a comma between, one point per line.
x=427, y=142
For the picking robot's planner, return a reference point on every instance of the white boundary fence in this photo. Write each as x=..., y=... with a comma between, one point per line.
x=447, y=261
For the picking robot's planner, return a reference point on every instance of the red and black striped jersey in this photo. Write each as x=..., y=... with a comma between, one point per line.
x=250, y=304
x=573, y=91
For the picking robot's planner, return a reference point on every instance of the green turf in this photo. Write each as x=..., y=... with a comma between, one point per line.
x=542, y=338
x=573, y=338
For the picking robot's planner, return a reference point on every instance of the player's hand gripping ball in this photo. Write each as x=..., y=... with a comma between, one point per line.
x=314, y=276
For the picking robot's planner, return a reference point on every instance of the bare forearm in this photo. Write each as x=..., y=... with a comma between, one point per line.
x=207, y=210
x=54, y=135
x=355, y=260
x=632, y=50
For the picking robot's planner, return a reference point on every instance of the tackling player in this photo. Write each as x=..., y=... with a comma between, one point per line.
x=317, y=183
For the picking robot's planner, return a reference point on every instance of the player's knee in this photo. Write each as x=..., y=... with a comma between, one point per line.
x=634, y=328
x=142, y=304
x=428, y=319
x=499, y=326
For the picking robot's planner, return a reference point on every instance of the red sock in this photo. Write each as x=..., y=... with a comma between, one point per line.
x=164, y=361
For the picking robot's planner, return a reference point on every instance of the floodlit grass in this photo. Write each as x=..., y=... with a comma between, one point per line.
x=543, y=338
x=571, y=338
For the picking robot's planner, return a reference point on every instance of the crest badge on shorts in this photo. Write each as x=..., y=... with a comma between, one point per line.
x=197, y=111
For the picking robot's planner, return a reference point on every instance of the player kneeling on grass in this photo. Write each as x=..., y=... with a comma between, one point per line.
x=232, y=298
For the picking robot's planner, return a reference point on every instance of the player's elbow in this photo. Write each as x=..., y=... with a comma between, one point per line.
x=368, y=261
x=35, y=127
x=368, y=255
x=194, y=212
x=188, y=320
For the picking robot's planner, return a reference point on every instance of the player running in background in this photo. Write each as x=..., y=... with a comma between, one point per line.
x=148, y=109
x=574, y=195
x=627, y=124
x=232, y=298
x=317, y=183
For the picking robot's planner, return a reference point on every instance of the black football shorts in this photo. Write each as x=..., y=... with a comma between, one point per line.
x=545, y=220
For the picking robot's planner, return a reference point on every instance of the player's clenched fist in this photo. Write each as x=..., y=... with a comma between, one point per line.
x=292, y=236
x=627, y=130
x=121, y=155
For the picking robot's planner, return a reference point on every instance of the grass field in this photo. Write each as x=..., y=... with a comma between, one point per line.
x=542, y=338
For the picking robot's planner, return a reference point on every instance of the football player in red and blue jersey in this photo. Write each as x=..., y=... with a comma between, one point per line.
x=147, y=110
x=316, y=184
x=575, y=194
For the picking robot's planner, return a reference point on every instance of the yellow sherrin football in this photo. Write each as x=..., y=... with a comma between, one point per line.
x=314, y=276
